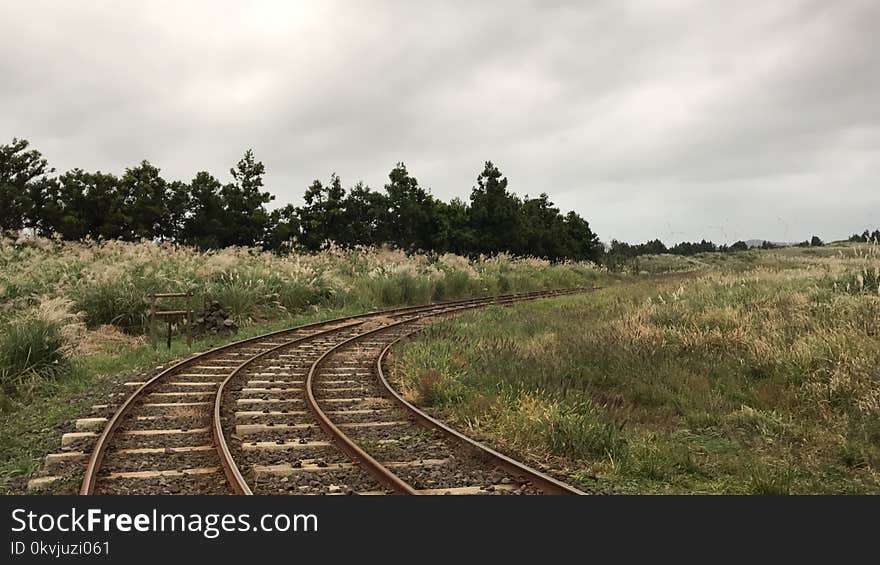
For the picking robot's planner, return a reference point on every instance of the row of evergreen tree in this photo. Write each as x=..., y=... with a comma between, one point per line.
x=209, y=214
x=656, y=247
x=866, y=236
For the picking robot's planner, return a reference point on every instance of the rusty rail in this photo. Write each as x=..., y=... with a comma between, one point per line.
x=230, y=468
x=382, y=473
x=233, y=474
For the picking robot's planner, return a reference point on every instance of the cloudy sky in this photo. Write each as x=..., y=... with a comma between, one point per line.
x=670, y=119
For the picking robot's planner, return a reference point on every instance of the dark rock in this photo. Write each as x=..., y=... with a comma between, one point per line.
x=214, y=320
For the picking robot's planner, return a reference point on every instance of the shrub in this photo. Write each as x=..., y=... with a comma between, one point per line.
x=118, y=303
x=455, y=284
x=569, y=429
x=296, y=296
x=770, y=481
x=35, y=344
x=394, y=289
x=427, y=386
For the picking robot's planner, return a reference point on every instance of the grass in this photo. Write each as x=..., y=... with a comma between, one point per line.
x=107, y=282
x=72, y=315
x=757, y=376
x=55, y=295
x=35, y=346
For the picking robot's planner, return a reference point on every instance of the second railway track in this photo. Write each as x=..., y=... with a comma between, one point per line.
x=300, y=411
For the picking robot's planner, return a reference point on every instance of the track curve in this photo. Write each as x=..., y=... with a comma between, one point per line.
x=168, y=436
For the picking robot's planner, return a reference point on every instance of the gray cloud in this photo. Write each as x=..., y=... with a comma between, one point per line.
x=673, y=119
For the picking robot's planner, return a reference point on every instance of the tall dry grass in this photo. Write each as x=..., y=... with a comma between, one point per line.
x=763, y=379
x=101, y=284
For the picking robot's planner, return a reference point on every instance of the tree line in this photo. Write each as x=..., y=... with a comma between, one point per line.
x=210, y=214
x=619, y=252
x=866, y=236
x=656, y=247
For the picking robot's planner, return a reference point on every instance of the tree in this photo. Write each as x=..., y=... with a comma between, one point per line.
x=145, y=198
x=544, y=231
x=866, y=236
x=178, y=203
x=816, y=242
x=860, y=238
x=71, y=211
x=494, y=214
x=653, y=247
x=41, y=197
x=584, y=243
x=246, y=219
x=81, y=204
x=204, y=226
x=21, y=173
x=411, y=214
x=688, y=248
x=284, y=231
x=323, y=216
x=364, y=213
x=458, y=235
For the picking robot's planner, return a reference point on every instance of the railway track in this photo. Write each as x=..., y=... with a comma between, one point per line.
x=307, y=410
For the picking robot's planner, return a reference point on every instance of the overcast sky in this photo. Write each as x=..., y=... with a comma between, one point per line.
x=678, y=120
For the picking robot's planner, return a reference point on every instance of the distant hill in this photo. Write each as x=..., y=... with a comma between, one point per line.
x=760, y=242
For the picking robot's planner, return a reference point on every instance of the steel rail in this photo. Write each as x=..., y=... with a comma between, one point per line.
x=230, y=467
x=379, y=471
x=99, y=450
x=227, y=461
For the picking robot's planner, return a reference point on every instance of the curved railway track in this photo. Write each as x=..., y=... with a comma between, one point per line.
x=306, y=410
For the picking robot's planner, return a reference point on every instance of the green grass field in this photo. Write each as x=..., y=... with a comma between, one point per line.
x=754, y=372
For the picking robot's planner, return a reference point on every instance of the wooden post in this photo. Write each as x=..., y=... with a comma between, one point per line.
x=169, y=315
x=153, y=339
x=189, y=319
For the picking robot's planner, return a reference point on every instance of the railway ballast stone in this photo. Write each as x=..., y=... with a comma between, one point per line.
x=214, y=320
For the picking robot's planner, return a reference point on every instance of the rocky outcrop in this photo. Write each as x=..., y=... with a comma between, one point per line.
x=214, y=320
